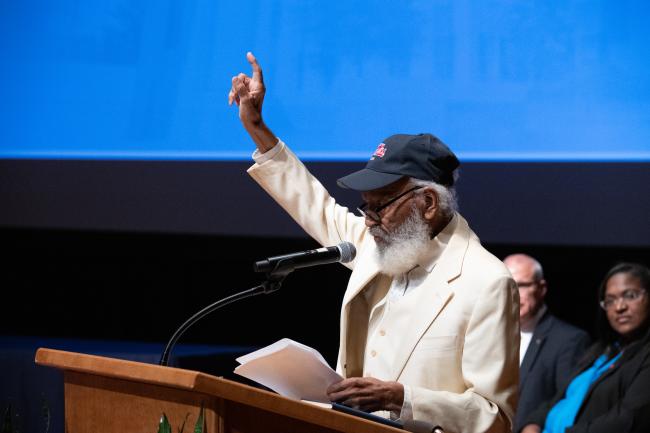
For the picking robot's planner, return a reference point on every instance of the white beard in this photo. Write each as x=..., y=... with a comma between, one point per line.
x=400, y=250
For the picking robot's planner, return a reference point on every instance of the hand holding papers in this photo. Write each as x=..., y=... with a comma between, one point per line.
x=290, y=369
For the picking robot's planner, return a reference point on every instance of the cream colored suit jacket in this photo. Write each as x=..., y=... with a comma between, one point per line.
x=459, y=354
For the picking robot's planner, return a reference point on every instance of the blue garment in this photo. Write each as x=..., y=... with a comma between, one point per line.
x=563, y=414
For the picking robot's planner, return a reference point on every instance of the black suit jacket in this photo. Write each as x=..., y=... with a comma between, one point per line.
x=549, y=362
x=619, y=401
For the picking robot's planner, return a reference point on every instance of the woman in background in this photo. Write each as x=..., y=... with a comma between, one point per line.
x=611, y=392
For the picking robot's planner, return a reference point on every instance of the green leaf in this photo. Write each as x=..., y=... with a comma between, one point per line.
x=198, y=427
x=164, y=426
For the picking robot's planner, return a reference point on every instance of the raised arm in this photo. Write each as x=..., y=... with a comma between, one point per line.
x=284, y=177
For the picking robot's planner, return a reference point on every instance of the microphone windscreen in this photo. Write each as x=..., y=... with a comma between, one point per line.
x=348, y=252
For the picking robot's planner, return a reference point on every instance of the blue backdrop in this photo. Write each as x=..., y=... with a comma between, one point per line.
x=497, y=80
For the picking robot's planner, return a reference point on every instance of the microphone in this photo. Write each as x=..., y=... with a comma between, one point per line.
x=343, y=253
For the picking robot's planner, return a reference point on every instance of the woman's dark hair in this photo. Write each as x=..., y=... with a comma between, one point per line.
x=607, y=338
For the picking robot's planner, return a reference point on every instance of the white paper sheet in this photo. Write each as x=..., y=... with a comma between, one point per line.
x=290, y=369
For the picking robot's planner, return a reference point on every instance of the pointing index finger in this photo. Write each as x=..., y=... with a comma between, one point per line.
x=257, y=71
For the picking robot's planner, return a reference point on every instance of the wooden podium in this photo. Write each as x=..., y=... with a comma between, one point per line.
x=107, y=395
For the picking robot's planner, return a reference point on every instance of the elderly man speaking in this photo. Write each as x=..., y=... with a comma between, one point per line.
x=429, y=322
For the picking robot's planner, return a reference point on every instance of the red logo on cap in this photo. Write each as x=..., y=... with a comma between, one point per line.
x=381, y=150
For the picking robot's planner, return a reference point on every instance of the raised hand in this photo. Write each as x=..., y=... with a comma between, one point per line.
x=248, y=93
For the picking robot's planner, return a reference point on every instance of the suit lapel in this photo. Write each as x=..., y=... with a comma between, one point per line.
x=611, y=370
x=363, y=275
x=534, y=348
x=436, y=294
x=359, y=280
x=430, y=305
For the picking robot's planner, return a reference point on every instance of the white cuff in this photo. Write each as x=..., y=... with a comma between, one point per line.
x=406, y=414
x=269, y=154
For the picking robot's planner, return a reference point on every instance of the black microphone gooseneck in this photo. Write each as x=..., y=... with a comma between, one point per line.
x=277, y=269
x=269, y=286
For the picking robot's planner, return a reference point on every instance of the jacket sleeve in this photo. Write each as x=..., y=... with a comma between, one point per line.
x=568, y=359
x=490, y=368
x=292, y=186
x=539, y=415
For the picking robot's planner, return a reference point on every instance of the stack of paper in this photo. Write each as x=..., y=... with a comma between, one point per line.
x=290, y=369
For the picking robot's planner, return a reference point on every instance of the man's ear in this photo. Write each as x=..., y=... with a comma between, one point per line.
x=542, y=287
x=431, y=203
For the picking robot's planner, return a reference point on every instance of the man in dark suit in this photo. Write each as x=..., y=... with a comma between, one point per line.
x=549, y=348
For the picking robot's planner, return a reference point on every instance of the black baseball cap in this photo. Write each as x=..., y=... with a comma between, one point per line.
x=421, y=156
